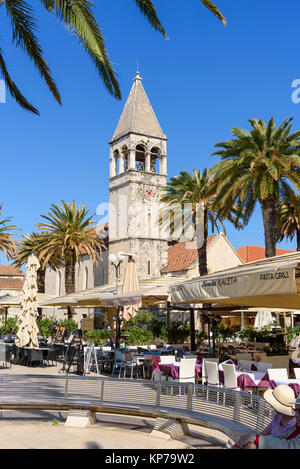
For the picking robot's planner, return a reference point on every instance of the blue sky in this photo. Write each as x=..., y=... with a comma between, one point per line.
x=201, y=82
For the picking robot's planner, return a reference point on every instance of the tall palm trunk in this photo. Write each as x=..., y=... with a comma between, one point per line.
x=269, y=214
x=70, y=263
x=201, y=237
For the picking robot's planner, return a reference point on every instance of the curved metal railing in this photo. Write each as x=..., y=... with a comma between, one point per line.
x=220, y=408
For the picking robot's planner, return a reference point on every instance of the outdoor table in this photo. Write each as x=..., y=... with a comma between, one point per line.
x=292, y=383
x=249, y=379
x=172, y=369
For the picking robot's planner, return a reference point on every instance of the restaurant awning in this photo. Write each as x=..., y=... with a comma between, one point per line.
x=9, y=301
x=151, y=291
x=271, y=283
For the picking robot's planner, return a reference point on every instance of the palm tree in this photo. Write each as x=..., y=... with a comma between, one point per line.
x=70, y=233
x=77, y=16
x=288, y=210
x=7, y=244
x=190, y=191
x=253, y=167
x=29, y=245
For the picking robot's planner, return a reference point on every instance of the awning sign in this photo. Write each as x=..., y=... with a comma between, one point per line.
x=237, y=284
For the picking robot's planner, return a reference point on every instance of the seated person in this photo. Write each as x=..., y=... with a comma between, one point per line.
x=283, y=432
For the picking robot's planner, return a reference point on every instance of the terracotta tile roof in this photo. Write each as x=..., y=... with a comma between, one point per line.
x=182, y=255
x=7, y=283
x=8, y=270
x=254, y=253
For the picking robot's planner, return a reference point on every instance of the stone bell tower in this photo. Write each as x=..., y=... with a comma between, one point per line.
x=138, y=172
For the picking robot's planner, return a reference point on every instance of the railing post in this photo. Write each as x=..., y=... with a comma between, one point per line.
x=189, y=403
x=102, y=390
x=237, y=406
x=260, y=415
x=66, y=386
x=158, y=392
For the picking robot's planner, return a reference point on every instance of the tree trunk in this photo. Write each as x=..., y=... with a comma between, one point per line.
x=41, y=273
x=70, y=263
x=202, y=258
x=269, y=214
x=298, y=239
x=201, y=238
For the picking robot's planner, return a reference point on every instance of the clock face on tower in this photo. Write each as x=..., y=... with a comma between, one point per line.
x=149, y=193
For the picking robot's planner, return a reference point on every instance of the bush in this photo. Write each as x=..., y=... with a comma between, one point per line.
x=98, y=336
x=201, y=336
x=177, y=333
x=250, y=334
x=11, y=326
x=69, y=324
x=292, y=332
x=46, y=327
x=224, y=333
x=138, y=336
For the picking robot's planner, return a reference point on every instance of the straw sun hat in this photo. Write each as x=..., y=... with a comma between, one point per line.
x=282, y=399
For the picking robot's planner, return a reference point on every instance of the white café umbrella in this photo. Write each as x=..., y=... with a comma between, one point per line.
x=263, y=318
x=27, y=334
x=130, y=284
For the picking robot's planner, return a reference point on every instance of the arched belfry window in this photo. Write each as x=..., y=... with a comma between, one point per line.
x=154, y=159
x=116, y=161
x=140, y=158
x=125, y=156
x=86, y=278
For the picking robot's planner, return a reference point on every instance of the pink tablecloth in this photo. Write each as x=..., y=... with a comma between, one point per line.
x=173, y=370
x=245, y=381
x=295, y=386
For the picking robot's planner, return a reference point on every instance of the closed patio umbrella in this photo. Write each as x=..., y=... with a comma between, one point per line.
x=130, y=284
x=27, y=334
x=263, y=318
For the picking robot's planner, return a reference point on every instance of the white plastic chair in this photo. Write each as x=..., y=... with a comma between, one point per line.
x=167, y=359
x=245, y=364
x=212, y=370
x=297, y=373
x=204, y=372
x=187, y=371
x=278, y=374
x=230, y=377
x=262, y=366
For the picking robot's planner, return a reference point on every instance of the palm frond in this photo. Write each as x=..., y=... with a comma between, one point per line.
x=149, y=11
x=78, y=17
x=214, y=9
x=13, y=89
x=23, y=25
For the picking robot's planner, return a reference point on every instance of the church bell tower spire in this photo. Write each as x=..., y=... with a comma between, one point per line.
x=137, y=175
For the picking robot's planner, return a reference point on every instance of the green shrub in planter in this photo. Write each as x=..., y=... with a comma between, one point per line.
x=11, y=326
x=69, y=324
x=98, y=336
x=177, y=333
x=46, y=327
x=138, y=336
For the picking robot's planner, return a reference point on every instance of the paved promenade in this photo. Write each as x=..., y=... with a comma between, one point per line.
x=46, y=430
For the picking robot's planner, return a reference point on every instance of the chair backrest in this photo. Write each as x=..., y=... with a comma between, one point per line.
x=263, y=366
x=187, y=371
x=297, y=373
x=278, y=374
x=212, y=370
x=204, y=371
x=167, y=359
x=245, y=364
x=230, y=377
x=119, y=357
x=190, y=356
